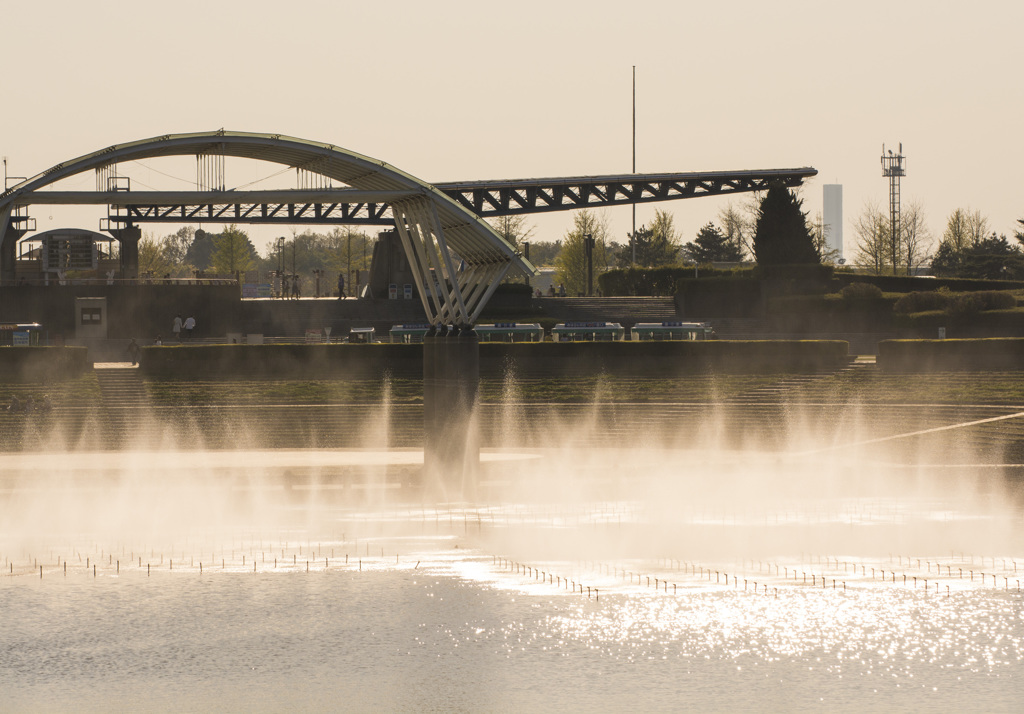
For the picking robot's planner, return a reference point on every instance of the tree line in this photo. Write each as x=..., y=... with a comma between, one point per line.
x=191, y=252
x=769, y=228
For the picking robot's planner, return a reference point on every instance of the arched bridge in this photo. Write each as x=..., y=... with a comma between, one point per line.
x=435, y=230
x=439, y=224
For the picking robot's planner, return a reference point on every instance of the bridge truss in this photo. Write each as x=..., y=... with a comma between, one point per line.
x=440, y=225
x=486, y=199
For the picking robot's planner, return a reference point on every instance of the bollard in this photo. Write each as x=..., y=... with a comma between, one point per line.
x=65, y=568
x=200, y=567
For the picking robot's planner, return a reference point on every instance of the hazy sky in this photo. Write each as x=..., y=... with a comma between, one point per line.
x=476, y=90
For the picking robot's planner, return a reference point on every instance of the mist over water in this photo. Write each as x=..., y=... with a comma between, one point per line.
x=613, y=555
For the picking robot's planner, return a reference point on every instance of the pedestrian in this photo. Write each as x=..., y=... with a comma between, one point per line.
x=341, y=285
x=158, y=341
x=561, y=290
x=176, y=329
x=190, y=324
x=133, y=352
x=295, y=287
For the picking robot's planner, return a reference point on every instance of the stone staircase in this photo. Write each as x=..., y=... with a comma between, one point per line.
x=123, y=401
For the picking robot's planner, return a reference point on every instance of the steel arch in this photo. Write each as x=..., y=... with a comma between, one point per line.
x=442, y=225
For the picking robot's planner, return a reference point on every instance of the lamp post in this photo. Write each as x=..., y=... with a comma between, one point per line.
x=588, y=255
x=526, y=254
x=280, y=265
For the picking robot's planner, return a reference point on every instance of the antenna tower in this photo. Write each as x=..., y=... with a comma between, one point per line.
x=892, y=167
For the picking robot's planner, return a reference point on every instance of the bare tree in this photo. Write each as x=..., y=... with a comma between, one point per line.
x=738, y=222
x=957, y=236
x=872, y=229
x=915, y=238
x=514, y=229
x=820, y=234
x=977, y=227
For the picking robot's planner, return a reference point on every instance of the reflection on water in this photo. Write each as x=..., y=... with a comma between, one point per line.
x=246, y=584
x=446, y=629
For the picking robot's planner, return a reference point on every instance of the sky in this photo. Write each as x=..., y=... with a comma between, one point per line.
x=454, y=90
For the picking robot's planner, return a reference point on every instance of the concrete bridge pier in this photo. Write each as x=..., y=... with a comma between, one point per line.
x=9, y=237
x=451, y=443
x=128, y=237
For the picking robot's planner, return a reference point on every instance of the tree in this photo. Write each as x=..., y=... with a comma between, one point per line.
x=738, y=226
x=1019, y=235
x=915, y=238
x=992, y=258
x=963, y=238
x=545, y=253
x=571, y=261
x=875, y=245
x=233, y=252
x=872, y=229
x=152, y=259
x=711, y=246
x=781, y=236
x=820, y=234
x=175, y=246
x=514, y=229
x=200, y=252
x=654, y=246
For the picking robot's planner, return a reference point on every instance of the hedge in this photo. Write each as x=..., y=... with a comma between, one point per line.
x=543, y=358
x=990, y=323
x=911, y=283
x=665, y=358
x=313, y=361
x=42, y=363
x=720, y=296
x=994, y=354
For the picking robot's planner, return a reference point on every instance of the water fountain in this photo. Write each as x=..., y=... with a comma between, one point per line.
x=601, y=562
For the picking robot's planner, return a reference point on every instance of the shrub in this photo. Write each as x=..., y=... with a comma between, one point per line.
x=813, y=272
x=996, y=300
x=965, y=304
x=862, y=291
x=921, y=302
x=513, y=289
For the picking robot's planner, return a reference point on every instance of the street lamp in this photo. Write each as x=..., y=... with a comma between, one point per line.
x=588, y=256
x=280, y=265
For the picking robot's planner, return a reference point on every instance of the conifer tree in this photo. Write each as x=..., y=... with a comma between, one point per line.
x=782, y=236
x=712, y=246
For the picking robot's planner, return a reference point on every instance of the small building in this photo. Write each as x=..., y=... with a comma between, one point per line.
x=587, y=332
x=511, y=332
x=666, y=331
